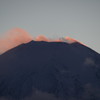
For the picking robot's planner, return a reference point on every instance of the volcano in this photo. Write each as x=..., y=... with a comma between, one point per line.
x=44, y=69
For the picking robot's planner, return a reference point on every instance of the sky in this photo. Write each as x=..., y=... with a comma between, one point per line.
x=78, y=19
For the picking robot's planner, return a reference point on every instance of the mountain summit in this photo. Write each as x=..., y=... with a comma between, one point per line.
x=42, y=70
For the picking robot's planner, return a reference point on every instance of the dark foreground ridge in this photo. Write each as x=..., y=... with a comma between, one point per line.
x=42, y=70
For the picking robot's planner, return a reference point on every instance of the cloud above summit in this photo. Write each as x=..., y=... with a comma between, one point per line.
x=18, y=36
x=13, y=38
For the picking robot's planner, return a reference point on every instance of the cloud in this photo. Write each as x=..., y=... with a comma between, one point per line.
x=36, y=95
x=41, y=38
x=14, y=38
x=68, y=40
x=39, y=95
x=19, y=36
x=89, y=62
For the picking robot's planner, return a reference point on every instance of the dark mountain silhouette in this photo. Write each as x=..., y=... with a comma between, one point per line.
x=41, y=70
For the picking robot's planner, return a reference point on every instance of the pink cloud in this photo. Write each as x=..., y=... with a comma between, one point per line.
x=19, y=36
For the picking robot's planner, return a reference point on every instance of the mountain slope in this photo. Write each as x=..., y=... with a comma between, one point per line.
x=41, y=70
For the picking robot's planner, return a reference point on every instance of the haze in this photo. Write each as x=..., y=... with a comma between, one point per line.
x=79, y=19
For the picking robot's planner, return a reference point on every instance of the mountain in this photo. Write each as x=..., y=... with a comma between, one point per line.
x=42, y=70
